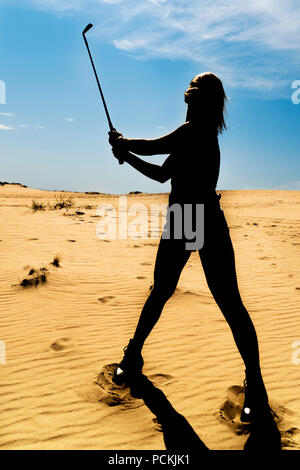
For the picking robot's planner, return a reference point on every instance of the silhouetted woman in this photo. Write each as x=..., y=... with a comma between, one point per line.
x=193, y=167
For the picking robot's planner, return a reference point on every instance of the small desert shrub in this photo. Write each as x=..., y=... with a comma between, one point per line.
x=37, y=206
x=62, y=202
x=34, y=278
x=56, y=261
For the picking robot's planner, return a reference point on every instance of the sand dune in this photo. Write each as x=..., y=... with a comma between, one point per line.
x=60, y=333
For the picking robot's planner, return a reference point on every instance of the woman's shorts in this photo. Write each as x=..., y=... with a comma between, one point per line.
x=196, y=225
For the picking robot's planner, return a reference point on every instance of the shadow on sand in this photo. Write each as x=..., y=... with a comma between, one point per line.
x=177, y=432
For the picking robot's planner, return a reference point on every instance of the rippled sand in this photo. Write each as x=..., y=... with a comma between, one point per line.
x=61, y=333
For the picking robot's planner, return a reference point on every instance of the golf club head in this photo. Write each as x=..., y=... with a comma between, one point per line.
x=87, y=28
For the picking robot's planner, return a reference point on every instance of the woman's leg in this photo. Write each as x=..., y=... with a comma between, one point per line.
x=217, y=257
x=170, y=261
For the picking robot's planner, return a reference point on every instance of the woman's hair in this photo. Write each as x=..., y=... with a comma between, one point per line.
x=206, y=101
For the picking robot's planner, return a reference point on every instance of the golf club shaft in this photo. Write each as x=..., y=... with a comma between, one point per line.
x=111, y=127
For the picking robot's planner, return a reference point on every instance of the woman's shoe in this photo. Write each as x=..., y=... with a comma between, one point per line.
x=264, y=434
x=256, y=399
x=247, y=412
x=131, y=364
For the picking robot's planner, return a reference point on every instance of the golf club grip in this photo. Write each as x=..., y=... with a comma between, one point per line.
x=113, y=129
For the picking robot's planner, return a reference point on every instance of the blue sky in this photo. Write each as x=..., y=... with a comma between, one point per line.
x=53, y=132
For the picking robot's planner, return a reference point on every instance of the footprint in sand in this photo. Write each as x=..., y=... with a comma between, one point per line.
x=141, y=277
x=104, y=300
x=160, y=379
x=230, y=412
x=72, y=241
x=105, y=391
x=62, y=345
x=111, y=394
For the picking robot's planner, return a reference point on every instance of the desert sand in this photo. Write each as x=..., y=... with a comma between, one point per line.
x=59, y=334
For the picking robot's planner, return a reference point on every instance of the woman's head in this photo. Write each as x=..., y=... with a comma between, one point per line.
x=206, y=101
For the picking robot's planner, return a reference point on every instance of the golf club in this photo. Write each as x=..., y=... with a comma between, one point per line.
x=111, y=127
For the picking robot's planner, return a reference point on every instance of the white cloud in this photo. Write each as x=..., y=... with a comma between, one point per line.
x=40, y=127
x=5, y=128
x=57, y=5
x=250, y=44
x=7, y=114
x=70, y=119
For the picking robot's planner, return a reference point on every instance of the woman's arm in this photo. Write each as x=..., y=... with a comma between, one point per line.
x=163, y=145
x=155, y=172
